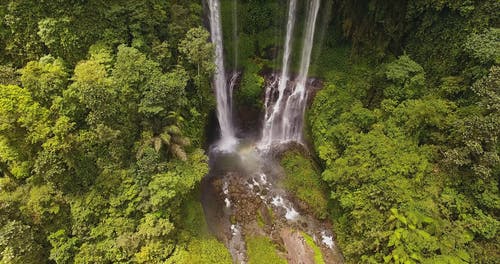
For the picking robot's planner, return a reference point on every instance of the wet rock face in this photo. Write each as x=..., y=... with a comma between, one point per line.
x=248, y=120
x=298, y=250
x=286, y=99
x=246, y=115
x=278, y=151
x=249, y=117
x=271, y=52
x=271, y=82
x=246, y=204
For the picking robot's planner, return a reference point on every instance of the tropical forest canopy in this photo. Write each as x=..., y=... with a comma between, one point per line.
x=106, y=108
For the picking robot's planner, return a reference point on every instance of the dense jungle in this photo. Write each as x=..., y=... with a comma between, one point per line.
x=249, y=131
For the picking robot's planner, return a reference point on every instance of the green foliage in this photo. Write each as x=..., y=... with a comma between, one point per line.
x=183, y=16
x=473, y=149
x=193, y=220
x=103, y=107
x=23, y=126
x=30, y=30
x=202, y=251
x=485, y=47
x=432, y=32
x=63, y=247
x=262, y=250
x=257, y=16
x=198, y=51
x=257, y=25
x=92, y=89
x=162, y=91
x=18, y=244
x=304, y=181
x=260, y=220
x=318, y=256
x=171, y=139
x=252, y=84
x=410, y=176
x=96, y=163
x=57, y=34
x=406, y=77
x=201, y=248
x=141, y=225
x=8, y=75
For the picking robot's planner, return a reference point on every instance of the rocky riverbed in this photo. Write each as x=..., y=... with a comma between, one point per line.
x=241, y=199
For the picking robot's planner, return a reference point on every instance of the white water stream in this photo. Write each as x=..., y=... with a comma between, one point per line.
x=223, y=91
x=272, y=113
x=283, y=120
x=293, y=114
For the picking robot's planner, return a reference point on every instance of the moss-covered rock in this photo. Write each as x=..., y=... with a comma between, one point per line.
x=303, y=179
x=262, y=250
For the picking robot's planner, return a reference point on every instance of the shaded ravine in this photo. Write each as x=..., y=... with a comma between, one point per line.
x=240, y=196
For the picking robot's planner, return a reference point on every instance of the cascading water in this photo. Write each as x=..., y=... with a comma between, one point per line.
x=283, y=119
x=233, y=81
x=273, y=113
x=293, y=114
x=222, y=89
x=235, y=33
x=243, y=184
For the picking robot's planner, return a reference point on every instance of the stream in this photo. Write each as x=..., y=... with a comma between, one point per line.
x=242, y=196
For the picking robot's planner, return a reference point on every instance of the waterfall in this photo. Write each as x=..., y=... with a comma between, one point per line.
x=284, y=115
x=293, y=115
x=222, y=89
x=235, y=34
x=242, y=174
x=283, y=120
x=233, y=81
x=272, y=113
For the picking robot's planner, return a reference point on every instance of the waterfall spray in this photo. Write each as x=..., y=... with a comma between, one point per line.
x=222, y=90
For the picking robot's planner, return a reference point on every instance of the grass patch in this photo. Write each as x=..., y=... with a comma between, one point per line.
x=202, y=251
x=260, y=220
x=196, y=244
x=271, y=214
x=265, y=216
x=303, y=179
x=194, y=219
x=262, y=250
x=318, y=256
